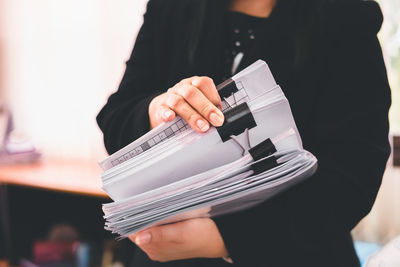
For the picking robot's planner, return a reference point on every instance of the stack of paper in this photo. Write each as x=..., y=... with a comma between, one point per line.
x=174, y=173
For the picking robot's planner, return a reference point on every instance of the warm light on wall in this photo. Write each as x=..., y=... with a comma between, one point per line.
x=61, y=60
x=390, y=37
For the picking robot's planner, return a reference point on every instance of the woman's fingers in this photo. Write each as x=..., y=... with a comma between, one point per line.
x=195, y=99
x=178, y=104
x=207, y=87
x=200, y=103
x=161, y=235
x=194, y=238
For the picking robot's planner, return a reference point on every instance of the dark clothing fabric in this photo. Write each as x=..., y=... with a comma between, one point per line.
x=339, y=95
x=240, y=31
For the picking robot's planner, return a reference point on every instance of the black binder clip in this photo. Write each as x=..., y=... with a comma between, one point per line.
x=227, y=88
x=237, y=120
x=262, y=150
x=264, y=165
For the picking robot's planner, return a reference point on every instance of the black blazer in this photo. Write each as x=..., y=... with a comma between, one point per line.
x=340, y=99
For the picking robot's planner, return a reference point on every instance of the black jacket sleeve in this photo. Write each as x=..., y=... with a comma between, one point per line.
x=349, y=136
x=125, y=116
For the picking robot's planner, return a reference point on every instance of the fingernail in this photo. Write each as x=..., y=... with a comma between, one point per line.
x=228, y=260
x=143, y=239
x=202, y=125
x=167, y=114
x=215, y=119
x=196, y=82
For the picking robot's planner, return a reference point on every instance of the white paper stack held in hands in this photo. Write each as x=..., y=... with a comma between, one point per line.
x=173, y=173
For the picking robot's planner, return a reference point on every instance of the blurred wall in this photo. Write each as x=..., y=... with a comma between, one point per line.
x=61, y=59
x=390, y=38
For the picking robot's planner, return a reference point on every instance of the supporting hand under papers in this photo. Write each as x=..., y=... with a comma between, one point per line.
x=195, y=238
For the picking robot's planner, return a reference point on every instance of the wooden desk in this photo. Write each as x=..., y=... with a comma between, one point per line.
x=73, y=176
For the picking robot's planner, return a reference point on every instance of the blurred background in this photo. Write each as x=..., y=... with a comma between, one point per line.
x=59, y=61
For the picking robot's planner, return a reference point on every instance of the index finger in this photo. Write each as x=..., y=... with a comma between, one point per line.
x=207, y=87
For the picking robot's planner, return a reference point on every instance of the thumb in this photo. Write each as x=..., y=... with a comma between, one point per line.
x=165, y=113
x=143, y=238
x=162, y=114
x=160, y=234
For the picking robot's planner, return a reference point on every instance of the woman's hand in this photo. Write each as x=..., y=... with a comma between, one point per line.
x=195, y=238
x=195, y=99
